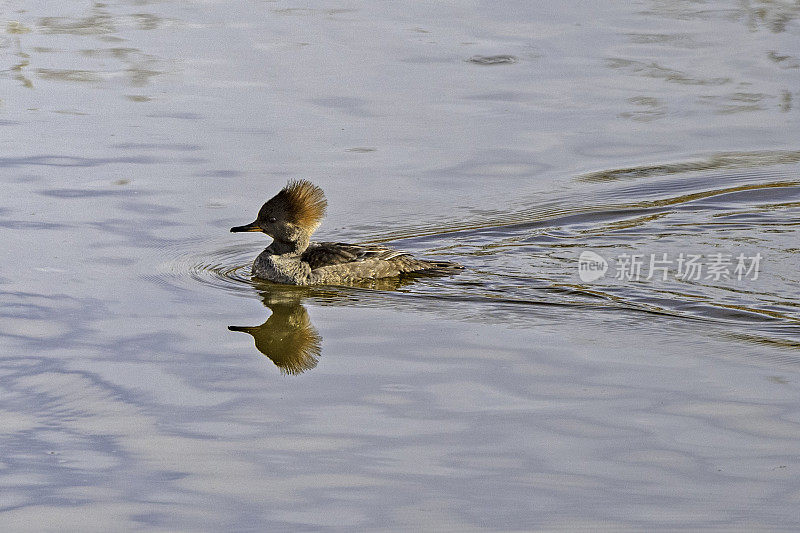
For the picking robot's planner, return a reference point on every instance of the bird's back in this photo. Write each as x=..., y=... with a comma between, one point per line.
x=336, y=262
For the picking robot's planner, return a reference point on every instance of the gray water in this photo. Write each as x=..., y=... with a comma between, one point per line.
x=510, y=137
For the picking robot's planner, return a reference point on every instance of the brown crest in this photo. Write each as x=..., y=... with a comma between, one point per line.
x=306, y=203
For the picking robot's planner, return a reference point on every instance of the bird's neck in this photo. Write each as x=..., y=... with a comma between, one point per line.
x=280, y=247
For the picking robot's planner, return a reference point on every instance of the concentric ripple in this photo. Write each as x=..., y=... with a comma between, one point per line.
x=224, y=267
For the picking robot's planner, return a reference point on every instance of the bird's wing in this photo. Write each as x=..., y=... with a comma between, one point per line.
x=322, y=254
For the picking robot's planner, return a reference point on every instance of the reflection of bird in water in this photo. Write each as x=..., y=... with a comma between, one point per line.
x=287, y=337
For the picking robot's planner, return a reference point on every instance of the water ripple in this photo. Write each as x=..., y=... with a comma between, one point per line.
x=226, y=268
x=503, y=59
x=523, y=261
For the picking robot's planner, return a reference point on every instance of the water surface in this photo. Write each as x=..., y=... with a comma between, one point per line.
x=148, y=382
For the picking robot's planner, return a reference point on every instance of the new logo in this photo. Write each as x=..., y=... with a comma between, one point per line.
x=591, y=266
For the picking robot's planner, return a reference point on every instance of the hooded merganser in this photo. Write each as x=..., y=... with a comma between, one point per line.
x=291, y=216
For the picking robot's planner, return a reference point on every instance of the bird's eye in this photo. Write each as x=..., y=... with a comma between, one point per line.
x=272, y=219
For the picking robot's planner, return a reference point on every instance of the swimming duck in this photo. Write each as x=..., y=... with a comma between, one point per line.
x=291, y=216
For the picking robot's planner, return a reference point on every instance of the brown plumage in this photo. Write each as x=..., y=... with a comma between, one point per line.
x=291, y=216
x=305, y=203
